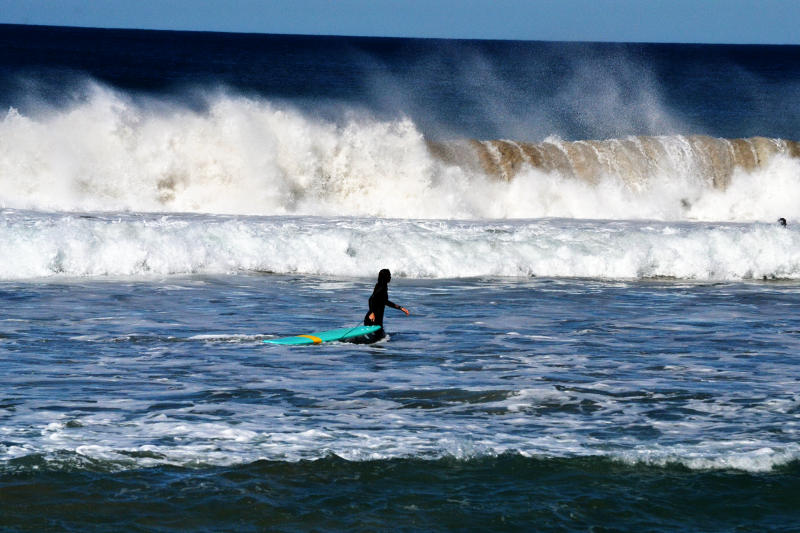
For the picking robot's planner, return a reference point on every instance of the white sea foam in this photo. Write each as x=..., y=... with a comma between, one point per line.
x=716, y=456
x=220, y=337
x=132, y=435
x=41, y=245
x=193, y=426
x=166, y=441
x=246, y=156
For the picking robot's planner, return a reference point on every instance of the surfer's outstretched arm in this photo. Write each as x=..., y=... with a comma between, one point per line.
x=400, y=307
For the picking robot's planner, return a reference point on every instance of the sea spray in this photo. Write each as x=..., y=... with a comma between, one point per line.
x=242, y=155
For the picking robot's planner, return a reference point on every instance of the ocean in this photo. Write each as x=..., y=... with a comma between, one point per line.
x=604, y=310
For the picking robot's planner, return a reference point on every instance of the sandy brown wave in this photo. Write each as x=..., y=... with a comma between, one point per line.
x=633, y=159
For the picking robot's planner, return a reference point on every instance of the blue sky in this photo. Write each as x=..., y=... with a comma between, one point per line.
x=702, y=21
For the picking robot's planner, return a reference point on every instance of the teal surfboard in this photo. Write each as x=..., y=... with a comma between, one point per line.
x=327, y=336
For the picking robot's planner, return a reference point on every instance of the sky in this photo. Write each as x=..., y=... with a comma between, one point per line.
x=679, y=21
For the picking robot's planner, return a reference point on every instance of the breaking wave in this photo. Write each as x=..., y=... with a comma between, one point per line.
x=42, y=245
x=240, y=155
x=633, y=160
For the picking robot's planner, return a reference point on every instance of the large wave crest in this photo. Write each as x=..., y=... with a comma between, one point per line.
x=240, y=155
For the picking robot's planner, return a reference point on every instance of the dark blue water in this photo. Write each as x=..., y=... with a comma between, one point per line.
x=620, y=367
x=504, y=493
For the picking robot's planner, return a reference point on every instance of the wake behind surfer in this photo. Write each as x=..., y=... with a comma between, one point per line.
x=380, y=299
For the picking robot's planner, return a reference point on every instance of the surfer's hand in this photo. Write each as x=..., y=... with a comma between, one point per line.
x=403, y=309
x=372, y=317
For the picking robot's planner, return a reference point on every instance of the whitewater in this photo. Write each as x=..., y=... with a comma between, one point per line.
x=251, y=156
x=37, y=245
x=149, y=188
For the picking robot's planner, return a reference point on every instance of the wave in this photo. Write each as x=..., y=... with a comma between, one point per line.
x=109, y=459
x=42, y=245
x=239, y=155
x=632, y=160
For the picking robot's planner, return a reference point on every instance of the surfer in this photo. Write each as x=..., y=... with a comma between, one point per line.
x=380, y=299
x=782, y=222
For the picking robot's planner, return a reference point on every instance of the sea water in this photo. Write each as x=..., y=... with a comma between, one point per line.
x=604, y=312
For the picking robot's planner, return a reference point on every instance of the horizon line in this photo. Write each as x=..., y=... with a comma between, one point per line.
x=369, y=36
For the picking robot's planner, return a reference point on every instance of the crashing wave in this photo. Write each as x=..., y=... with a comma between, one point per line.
x=633, y=160
x=245, y=156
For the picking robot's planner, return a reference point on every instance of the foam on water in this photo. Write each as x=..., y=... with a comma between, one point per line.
x=135, y=442
x=41, y=245
x=745, y=456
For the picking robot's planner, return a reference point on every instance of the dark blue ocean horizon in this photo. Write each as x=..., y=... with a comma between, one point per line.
x=450, y=88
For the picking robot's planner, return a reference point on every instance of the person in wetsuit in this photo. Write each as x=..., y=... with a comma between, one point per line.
x=380, y=299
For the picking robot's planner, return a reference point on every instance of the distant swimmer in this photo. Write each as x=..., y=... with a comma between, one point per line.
x=380, y=299
x=782, y=222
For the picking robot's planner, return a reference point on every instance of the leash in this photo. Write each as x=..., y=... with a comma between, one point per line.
x=358, y=324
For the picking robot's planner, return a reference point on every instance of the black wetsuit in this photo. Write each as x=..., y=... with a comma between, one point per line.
x=377, y=304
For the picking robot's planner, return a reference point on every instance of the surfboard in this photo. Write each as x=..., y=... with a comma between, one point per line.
x=327, y=336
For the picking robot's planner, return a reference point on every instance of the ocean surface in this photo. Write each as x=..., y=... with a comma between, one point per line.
x=604, y=311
